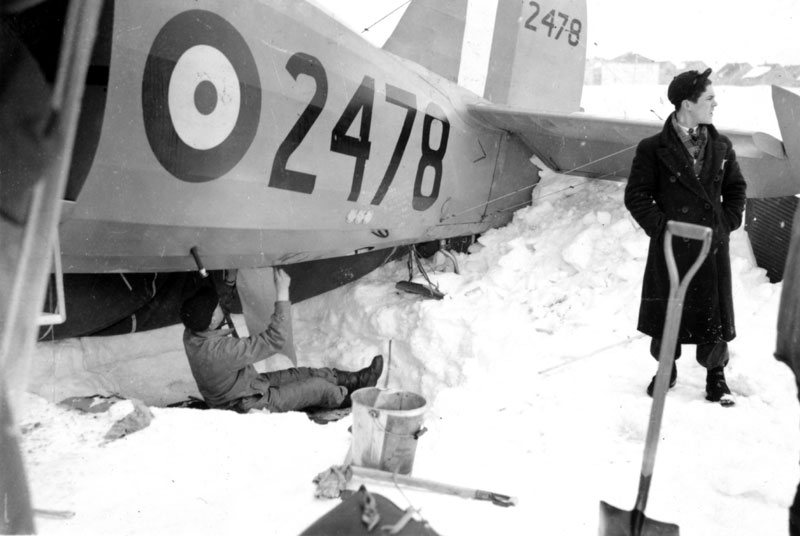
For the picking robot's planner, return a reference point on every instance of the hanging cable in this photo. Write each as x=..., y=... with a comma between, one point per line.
x=572, y=186
x=413, y=260
x=486, y=203
x=568, y=172
x=385, y=16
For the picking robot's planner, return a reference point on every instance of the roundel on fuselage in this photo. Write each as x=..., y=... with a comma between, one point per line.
x=201, y=96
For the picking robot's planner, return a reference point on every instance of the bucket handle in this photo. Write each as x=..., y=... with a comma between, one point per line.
x=375, y=414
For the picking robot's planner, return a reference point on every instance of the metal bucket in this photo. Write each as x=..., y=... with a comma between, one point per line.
x=386, y=427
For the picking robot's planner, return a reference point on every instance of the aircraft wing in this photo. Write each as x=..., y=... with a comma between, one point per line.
x=601, y=147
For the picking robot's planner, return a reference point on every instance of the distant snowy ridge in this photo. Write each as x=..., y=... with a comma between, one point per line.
x=632, y=68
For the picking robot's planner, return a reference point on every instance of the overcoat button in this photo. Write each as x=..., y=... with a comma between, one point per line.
x=672, y=179
x=708, y=207
x=685, y=210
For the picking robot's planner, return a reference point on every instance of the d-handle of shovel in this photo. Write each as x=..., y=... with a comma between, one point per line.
x=685, y=230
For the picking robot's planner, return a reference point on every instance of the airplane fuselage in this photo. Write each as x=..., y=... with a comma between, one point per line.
x=268, y=133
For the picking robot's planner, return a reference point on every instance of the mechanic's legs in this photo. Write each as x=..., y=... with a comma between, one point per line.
x=278, y=378
x=298, y=395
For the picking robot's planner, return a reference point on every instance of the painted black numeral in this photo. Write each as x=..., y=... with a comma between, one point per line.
x=529, y=23
x=359, y=147
x=547, y=20
x=407, y=100
x=282, y=177
x=564, y=19
x=430, y=158
x=574, y=32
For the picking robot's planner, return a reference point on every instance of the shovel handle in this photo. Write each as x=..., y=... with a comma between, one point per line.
x=669, y=338
x=430, y=485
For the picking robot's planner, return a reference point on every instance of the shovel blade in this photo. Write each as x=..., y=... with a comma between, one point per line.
x=616, y=522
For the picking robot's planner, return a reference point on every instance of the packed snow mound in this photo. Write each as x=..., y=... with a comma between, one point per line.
x=535, y=378
x=561, y=280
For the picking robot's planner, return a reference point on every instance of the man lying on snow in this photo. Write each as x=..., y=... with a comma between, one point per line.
x=222, y=365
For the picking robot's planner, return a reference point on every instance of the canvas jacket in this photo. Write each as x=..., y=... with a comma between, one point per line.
x=222, y=365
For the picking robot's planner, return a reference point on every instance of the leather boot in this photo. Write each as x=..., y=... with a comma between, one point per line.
x=716, y=386
x=366, y=377
x=673, y=378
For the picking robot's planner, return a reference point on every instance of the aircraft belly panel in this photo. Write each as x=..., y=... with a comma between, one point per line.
x=147, y=246
x=266, y=132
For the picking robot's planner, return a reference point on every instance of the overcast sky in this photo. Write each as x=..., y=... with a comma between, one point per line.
x=715, y=31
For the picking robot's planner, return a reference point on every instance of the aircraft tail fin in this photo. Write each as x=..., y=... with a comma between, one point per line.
x=430, y=33
x=513, y=52
x=787, y=110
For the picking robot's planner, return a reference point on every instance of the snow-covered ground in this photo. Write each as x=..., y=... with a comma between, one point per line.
x=533, y=371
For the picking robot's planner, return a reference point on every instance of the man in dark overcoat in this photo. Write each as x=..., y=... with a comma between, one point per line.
x=688, y=172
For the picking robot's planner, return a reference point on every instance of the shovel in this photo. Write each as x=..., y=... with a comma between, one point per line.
x=617, y=522
x=430, y=485
x=331, y=482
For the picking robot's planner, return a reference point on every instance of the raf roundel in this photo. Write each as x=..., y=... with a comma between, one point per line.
x=201, y=96
x=204, y=97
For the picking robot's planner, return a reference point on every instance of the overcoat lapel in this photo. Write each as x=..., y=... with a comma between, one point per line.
x=678, y=164
x=673, y=155
x=712, y=167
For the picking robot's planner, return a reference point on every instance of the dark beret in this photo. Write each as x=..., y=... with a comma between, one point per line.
x=686, y=85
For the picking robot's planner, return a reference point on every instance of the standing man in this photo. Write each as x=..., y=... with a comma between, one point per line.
x=689, y=173
x=222, y=365
x=787, y=348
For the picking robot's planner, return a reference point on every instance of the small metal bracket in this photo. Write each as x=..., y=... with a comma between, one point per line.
x=60, y=316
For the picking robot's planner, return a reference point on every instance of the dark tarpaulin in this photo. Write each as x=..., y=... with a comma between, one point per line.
x=113, y=304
